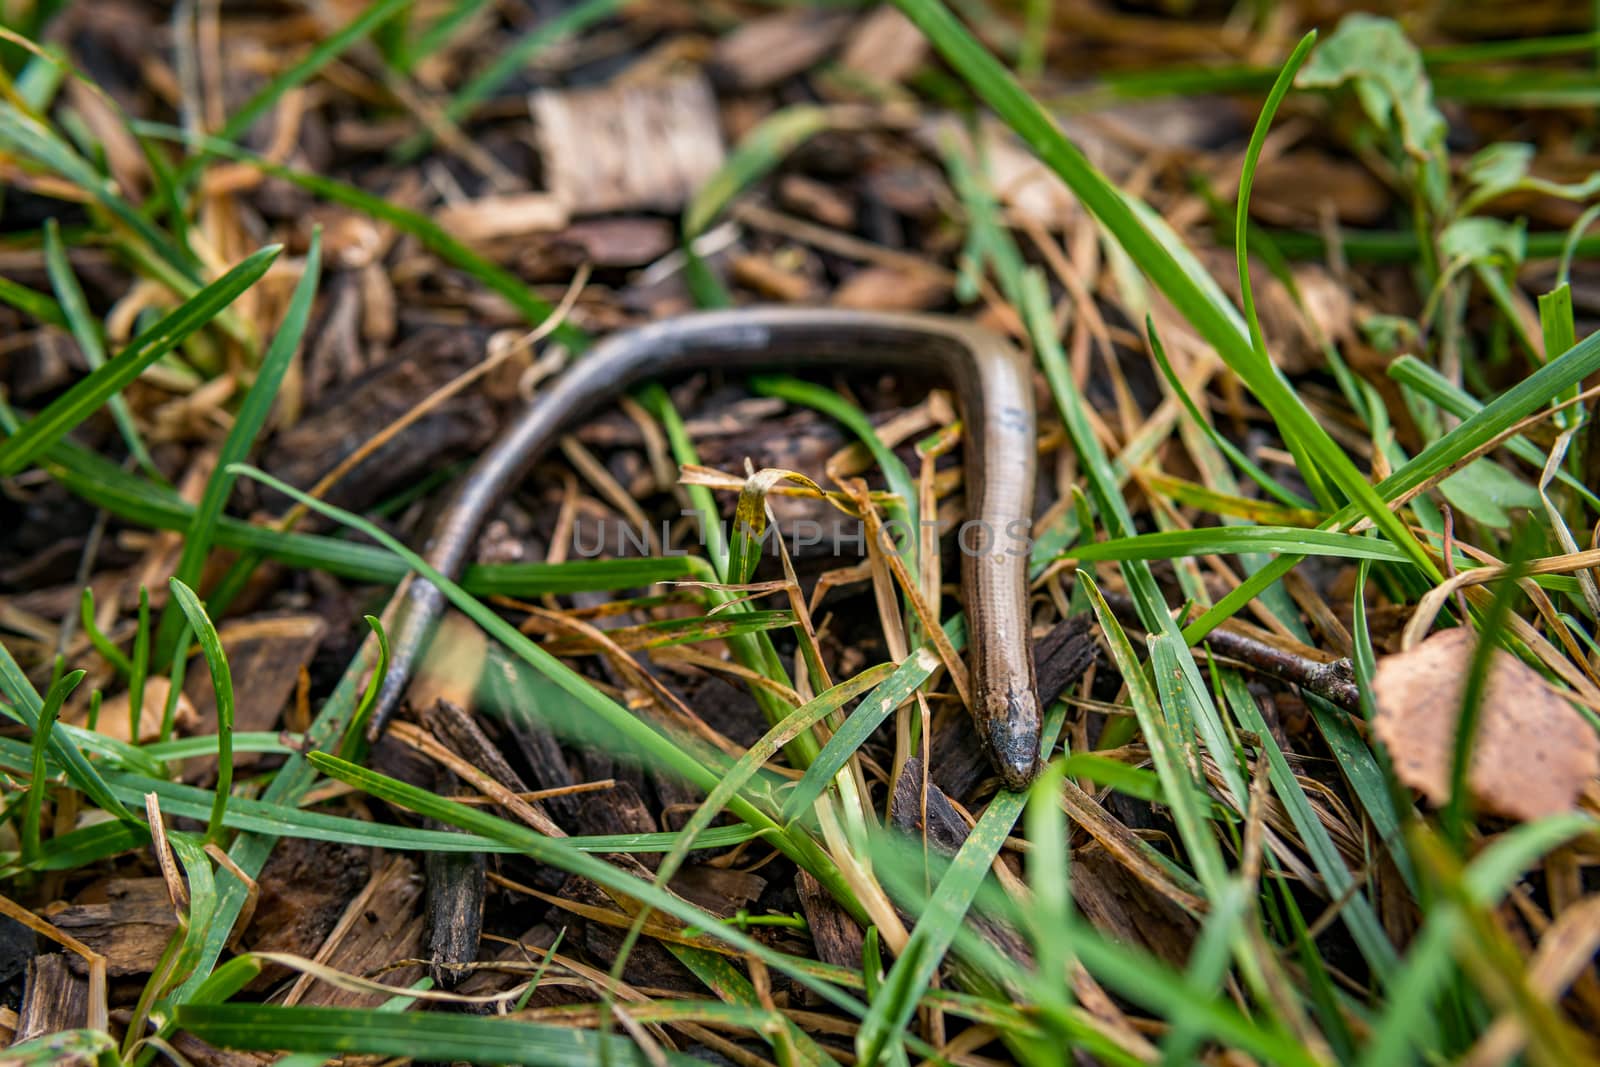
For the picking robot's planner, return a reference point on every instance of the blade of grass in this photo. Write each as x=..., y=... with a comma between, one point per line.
x=87, y=334
x=431, y=1036
x=33, y=805
x=247, y=425
x=27, y=706
x=33, y=303
x=78, y=402
x=102, y=644
x=222, y=684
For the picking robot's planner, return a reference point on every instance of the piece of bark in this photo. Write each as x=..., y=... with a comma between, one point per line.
x=834, y=933
x=819, y=201
x=461, y=733
x=18, y=945
x=891, y=289
x=719, y=890
x=885, y=46
x=764, y=51
x=548, y=769
x=939, y=821
x=264, y=656
x=1126, y=909
x=115, y=718
x=493, y=218
x=528, y=952
x=303, y=889
x=770, y=279
x=455, y=883
x=602, y=243
x=943, y=828
x=131, y=927
x=389, y=929
x=649, y=964
x=53, y=998
x=347, y=417
x=632, y=147
x=1061, y=656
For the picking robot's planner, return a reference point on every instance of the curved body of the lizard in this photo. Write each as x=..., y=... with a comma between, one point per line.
x=993, y=383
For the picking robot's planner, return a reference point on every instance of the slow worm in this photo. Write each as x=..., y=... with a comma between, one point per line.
x=994, y=386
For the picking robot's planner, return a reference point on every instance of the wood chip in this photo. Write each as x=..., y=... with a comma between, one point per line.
x=453, y=664
x=837, y=937
x=130, y=927
x=890, y=289
x=1532, y=755
x=266, y=655
x=818, y=201
x=764, y=51
x=885, y=46
x=54, y=999
x=388, y=929
x=115, y=717
x=511, y=215
x=772, y=280
x=628, y=148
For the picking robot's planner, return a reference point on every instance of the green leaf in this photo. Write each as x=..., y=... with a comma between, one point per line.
x=1481, y=240
x=1484, y=490
x=1498, y=168
x=1373, y=55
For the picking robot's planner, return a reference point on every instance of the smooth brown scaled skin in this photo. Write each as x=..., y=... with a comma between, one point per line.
x=993, y=383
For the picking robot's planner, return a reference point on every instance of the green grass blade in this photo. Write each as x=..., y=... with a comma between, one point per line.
x=222, y=683
x=430, y=1036
x=33, y=804
x=27, y=706
x=33, y=303
x=77, y=403
x=87, y=333
x=247, y=425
